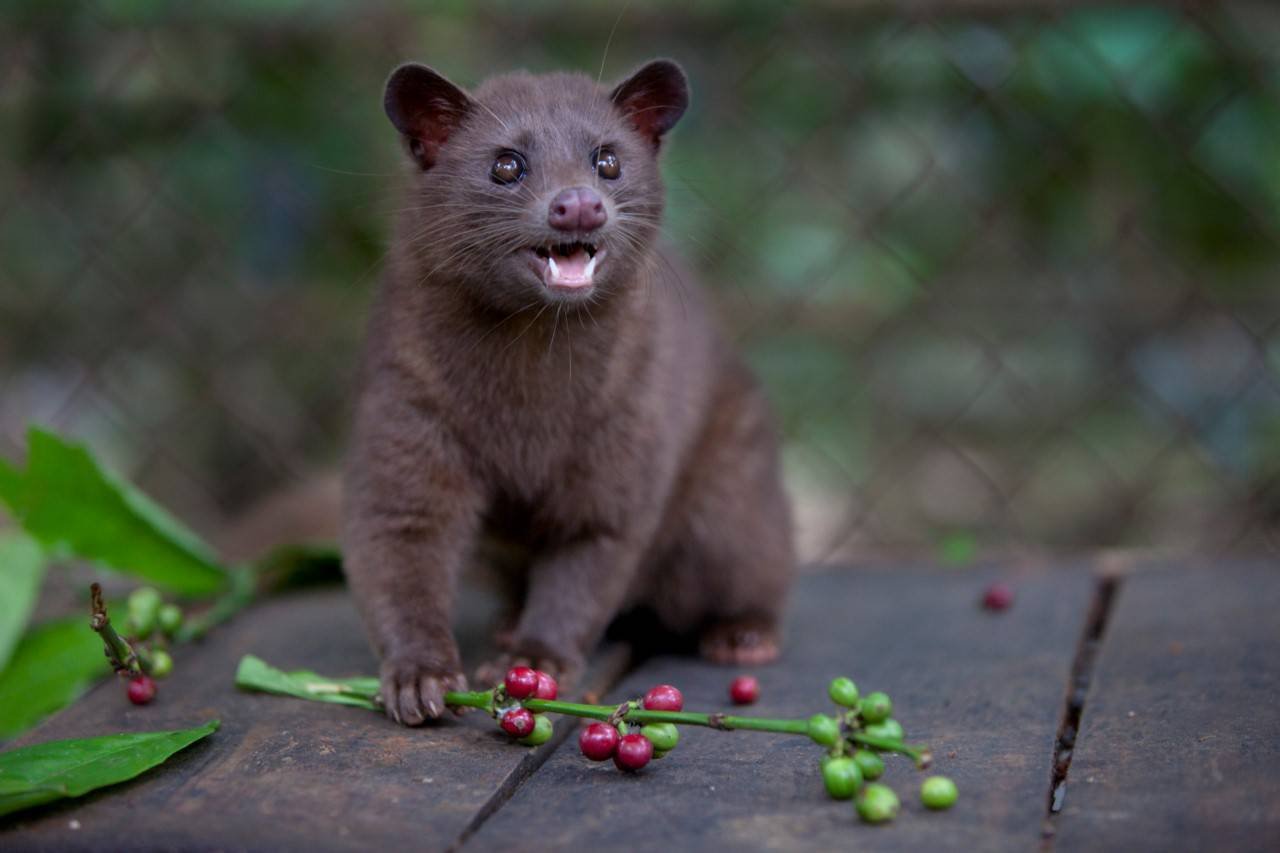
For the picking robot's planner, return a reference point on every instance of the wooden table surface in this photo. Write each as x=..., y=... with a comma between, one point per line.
x=1161, y=685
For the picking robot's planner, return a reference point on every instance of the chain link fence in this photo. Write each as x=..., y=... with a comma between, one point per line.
x=1011, y=272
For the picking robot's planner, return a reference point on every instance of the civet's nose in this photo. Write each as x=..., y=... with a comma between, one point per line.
x=577, y=209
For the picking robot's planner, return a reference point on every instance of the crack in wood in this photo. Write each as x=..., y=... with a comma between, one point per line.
x=517, y=777
x=613, y=663
x=1104, y=595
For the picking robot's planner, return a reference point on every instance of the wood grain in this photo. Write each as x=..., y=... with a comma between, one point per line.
x=1179, y=745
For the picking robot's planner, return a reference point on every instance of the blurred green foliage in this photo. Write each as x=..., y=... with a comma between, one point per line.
x=68, y=504
x=52, y=665
x=1011, y=277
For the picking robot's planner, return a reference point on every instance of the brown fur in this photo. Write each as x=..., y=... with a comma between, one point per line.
x=616, y=437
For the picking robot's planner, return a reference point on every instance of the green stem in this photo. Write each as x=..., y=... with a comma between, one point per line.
x=684, y=718
x=272, y=573
x=123, y=657
x=269, y=679
x=476, y=699
x=242, y=593
x=724, y=722
x=919, y=754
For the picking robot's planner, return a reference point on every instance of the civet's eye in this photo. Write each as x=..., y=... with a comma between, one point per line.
x=508, y=168
x=606, y=163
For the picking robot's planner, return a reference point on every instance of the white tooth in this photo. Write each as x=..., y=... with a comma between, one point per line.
x=555, y=272
x=590, y=268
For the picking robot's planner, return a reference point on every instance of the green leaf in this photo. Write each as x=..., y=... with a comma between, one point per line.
x=70, y=504
x=44, y=772
x=51, y=666
x=256, y=674
x=10, y=482
x=21, y=570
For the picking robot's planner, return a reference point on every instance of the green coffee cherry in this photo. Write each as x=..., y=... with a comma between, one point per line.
x=541, y=733
x=161, y=663
x=843, y=692
x=823, y=729
x=877, y=803
x=875, y=707
x=871, y=765
x=842, y=777
x=144, y=604
x=938, y=792
x=145, y=598
x=169, y=618
x=890, y=729
x=665, y=736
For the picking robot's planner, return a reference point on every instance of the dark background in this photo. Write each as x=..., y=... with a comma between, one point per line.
x=1010, y=271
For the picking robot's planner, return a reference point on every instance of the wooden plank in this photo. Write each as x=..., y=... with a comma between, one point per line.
x=1180, y=734
x=986, y=691
x=283, y=773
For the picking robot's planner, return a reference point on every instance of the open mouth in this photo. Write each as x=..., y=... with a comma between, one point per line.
x=567, y=266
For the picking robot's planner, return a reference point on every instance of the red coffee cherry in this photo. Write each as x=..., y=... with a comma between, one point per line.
x=999, y=596
x=664, y=697
x=141, y=690
x=547, y=687
x=634, y=752
x=744, y=690
x=521, y=682
x=598, y=741
x=518, y=722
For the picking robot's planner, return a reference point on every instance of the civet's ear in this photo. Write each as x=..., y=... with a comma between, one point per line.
x=653, y=98
x=426, y=108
